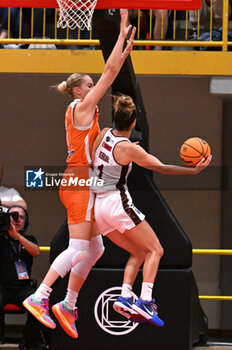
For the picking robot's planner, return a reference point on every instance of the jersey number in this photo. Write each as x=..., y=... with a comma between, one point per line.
x=100, y=168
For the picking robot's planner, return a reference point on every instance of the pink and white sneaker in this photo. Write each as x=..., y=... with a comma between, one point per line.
x=39, y=309
x=66, y=317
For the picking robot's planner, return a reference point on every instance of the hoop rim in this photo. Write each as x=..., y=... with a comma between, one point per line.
x=79, y=4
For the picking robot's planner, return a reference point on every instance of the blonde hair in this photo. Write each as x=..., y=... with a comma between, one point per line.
x=124, y=112
x=74, y=80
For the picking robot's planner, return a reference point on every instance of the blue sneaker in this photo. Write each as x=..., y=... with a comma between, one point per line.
x=148, y=309
x=124, y=307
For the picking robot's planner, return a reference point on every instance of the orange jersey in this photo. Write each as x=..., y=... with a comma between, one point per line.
x=80, y=139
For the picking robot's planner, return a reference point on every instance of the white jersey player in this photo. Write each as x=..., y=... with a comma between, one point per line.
x=118, y=218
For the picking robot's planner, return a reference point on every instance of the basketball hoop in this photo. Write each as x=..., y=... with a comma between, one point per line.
x=75, y=13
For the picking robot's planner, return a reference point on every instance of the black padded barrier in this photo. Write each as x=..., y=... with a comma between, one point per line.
x=226, y=218
x=178, y=305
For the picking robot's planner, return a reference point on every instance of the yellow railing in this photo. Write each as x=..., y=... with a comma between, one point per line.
x=195, y=251
x=67, y=37
x=44, y=249
x=212, y=251
x=215, y=297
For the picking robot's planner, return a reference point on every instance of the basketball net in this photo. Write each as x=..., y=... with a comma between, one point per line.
x=76, y=13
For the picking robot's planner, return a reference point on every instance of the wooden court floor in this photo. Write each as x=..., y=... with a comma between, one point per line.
x=211, y=347
x=214, y=347
x=13, y=346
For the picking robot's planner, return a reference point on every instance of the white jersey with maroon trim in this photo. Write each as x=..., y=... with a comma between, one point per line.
x=113, y=175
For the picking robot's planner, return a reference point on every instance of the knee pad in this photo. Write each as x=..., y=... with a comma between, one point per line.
x=96, y=249
x=76, y=252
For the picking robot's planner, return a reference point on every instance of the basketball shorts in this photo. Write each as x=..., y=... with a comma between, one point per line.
x=114, y=210
x=77, y=199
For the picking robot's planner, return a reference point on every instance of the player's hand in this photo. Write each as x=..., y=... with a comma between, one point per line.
x=12, y=230
x=124, y=28
x=124, y=31
x=204, y=162
x=130, y=43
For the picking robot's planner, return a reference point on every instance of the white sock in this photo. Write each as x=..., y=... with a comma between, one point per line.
x=71, y=299
x=43, y=292
x=126, y=291
x=146, y=292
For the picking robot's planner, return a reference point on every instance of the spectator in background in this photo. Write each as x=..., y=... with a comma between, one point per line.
x=16, y=258
x=39, y=21
x=14, y=25
x=41, y=15
x=204, y=18
x=9, y=196
x=160, y=24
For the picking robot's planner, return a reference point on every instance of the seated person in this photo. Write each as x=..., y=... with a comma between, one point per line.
x=9, y=196
x=204, y=17
x=14, y=22
x=16, y=258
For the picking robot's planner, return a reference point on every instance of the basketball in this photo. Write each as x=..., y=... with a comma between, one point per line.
x=193, y=150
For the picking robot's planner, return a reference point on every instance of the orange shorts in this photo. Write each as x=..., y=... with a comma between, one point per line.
x=77, y=197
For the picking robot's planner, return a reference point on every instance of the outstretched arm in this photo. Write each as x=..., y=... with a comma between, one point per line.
x=126, y=152
x=31, y=247
x=111, y=69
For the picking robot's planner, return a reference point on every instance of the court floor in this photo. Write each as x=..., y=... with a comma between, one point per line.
x=211, y=347
x=214, y=347
x=208, y=347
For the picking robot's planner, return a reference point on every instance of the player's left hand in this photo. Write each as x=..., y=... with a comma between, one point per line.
x=204, y=162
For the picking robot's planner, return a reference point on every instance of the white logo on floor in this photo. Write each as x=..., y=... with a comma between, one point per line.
x=107, y=318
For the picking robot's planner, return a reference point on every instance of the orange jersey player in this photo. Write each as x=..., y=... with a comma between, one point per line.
x=78, y=200
x=80, y=139
x=85, y=243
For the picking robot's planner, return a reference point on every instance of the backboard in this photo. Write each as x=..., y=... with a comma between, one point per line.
x=110, y=4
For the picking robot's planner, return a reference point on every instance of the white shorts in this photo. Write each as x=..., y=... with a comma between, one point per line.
x=114, y=210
